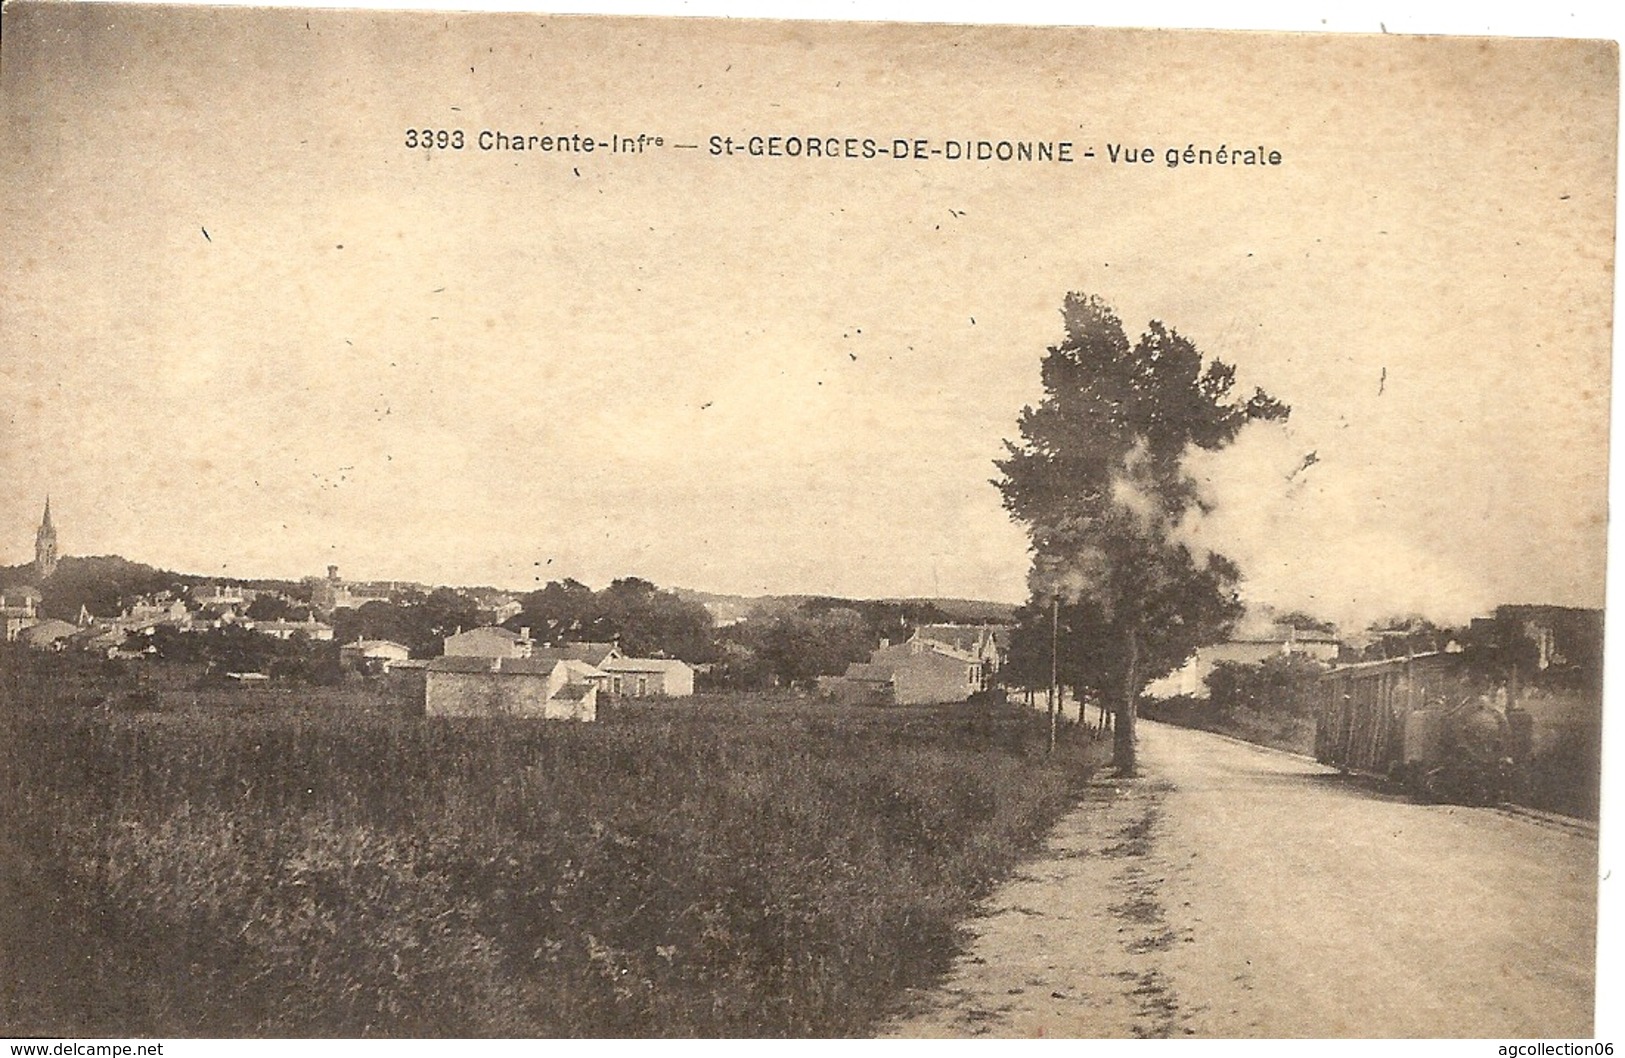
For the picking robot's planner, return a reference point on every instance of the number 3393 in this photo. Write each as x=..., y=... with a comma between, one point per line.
x=435, y=139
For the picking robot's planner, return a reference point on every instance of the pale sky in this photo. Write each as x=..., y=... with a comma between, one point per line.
x=786, y=375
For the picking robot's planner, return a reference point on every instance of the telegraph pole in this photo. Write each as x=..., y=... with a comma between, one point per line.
x=1054, y=666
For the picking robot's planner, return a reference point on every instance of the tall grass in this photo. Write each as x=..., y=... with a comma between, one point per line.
x=707, y=869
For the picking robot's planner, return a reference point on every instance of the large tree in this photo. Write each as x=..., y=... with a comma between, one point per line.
x=651, y=622
x=1099, y=479
x=647, y=621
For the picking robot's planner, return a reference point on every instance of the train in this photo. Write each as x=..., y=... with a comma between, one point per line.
x=1428, y=722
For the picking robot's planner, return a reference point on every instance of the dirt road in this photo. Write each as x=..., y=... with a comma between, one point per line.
x=1233, y=891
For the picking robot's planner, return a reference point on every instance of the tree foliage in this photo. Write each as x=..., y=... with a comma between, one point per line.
x=420, y=626
x=1098, y=477
x=644, y=619
x=782, y=646
x=233, y=648
x=1286, y=683
x=895, y=619
x=1399, y=637
x=799, y=647
x=383, y=620
x=445, y=612
x=269, y=606
x=101, y=584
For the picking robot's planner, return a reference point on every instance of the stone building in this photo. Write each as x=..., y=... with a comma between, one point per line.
x=508, y=687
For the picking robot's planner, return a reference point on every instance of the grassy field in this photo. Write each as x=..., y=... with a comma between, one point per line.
x=239, y=864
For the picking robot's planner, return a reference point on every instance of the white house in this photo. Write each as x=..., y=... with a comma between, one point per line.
x=311, y=627
x=373, y=655
x=649, y=677
x=220, y=596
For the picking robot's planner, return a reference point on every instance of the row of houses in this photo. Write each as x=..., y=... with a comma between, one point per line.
x=112, y=635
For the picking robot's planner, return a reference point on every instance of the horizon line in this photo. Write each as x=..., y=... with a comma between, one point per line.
x=799, y=593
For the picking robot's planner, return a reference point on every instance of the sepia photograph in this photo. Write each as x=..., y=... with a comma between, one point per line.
x=521, y=526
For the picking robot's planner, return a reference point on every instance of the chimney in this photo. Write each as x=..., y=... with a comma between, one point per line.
x=333, y=574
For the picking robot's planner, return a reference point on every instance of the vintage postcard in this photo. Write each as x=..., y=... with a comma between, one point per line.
x=522, y=527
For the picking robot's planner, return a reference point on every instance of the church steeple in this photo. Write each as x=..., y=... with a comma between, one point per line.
x=45, y=545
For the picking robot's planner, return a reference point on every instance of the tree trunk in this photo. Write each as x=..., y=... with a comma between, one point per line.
x=1123, y=733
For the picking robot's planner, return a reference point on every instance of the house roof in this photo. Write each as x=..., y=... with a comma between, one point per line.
x=495, y=666
x=366, y=645
x=582, y=653
x=961, y=637
x=47, y=630
x=591, y=653
x=644, y=665
x=462, y=663
x=488, y=631
x=1357, y=668
x=1283, y=640
x=295, y=625
x=528, y=666
x=870, y=672
x=920, y=646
